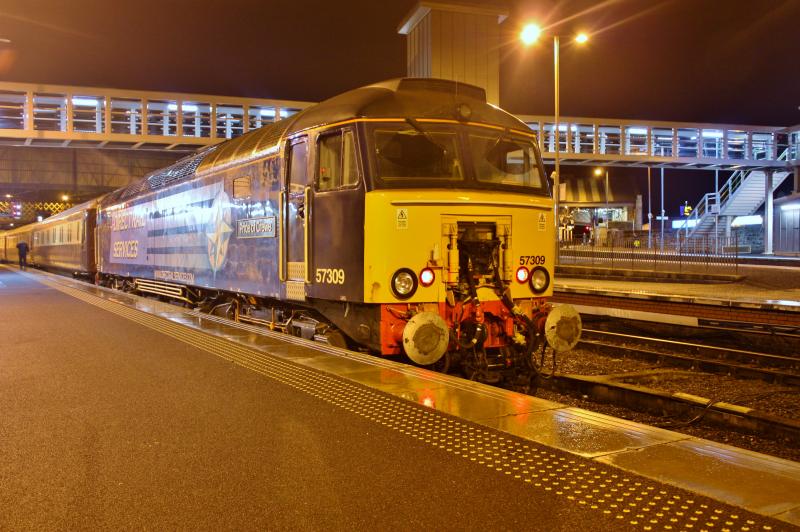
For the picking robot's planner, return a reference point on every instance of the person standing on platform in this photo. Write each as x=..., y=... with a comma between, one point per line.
x=22, y=248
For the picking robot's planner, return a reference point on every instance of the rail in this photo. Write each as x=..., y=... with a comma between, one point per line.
x=668, y=253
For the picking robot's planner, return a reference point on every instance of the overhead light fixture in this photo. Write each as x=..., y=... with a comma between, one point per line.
x=187, y=107
x=84, y=102
x=271, y=113
x=64, y=197
x=754, y=219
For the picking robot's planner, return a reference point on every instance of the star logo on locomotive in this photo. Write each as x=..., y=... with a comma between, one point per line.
x=218, y=230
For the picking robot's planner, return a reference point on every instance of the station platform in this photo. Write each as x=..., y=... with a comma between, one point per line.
x=120, y=411
x=768, y=296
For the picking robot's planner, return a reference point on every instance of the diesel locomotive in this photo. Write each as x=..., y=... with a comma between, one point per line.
x=408, y=217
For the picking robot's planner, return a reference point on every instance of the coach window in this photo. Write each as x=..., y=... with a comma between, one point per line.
x=242, y=187
x=337, y=164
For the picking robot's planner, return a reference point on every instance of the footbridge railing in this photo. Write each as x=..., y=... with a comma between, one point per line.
x=60, y=116
x=597, y=141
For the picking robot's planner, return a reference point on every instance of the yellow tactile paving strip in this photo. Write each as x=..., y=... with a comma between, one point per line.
x=633, y=500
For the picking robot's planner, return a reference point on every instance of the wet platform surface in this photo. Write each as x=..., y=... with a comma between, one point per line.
x=123, y=411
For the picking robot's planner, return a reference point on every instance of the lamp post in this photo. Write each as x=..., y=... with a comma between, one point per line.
x=529, y=35
x=599, y=172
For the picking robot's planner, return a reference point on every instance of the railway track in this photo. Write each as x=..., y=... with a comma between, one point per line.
x=634, y=390
x=739, y=363
x=672, y=406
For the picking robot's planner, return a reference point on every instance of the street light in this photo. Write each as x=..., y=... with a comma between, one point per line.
x=529, y=35
x=599, y=172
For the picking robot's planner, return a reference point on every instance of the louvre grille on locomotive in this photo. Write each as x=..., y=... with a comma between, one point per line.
x=407, y=217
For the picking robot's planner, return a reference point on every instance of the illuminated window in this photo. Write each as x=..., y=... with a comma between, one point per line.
x=337, y=164
x=242, y=188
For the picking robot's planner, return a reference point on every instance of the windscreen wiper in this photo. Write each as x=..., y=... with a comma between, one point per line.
x=497, y=141
x=413, y=122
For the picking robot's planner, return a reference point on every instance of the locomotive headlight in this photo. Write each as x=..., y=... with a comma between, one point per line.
x=522, y=274
x=404, y=283
x=426, y=277
x=539, y=280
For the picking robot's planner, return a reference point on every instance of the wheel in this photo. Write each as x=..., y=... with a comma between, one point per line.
x=336, y=338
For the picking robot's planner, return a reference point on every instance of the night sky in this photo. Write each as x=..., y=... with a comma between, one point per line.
x=732, y=61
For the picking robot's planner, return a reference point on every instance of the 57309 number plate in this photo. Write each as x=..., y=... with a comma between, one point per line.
x=535, y=260
x=329, y=275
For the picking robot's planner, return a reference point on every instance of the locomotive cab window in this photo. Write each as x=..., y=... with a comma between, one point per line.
x=505, y=160
x=414, y=152
x=337, y=164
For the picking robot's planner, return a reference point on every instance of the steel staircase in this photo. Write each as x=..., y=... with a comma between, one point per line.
x=741, y=195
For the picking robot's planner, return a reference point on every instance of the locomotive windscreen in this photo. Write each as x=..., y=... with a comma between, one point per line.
x=425, y=155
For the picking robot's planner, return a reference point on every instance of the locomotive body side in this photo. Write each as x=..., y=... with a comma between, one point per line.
x=216, y=231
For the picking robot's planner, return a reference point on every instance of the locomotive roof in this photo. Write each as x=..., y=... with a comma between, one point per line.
x=397, y=98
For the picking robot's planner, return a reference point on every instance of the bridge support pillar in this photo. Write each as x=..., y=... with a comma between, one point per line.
x=768, y=209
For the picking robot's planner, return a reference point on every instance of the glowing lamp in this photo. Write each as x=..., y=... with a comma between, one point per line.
x=530, y=34
x=426, y=277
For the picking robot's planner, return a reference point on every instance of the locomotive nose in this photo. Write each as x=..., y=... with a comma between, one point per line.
x=425, y=338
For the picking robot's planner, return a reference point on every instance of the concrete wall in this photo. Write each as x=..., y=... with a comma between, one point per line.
x=750, y=235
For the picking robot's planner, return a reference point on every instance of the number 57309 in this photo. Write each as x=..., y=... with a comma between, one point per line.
x=330, y=275
x=526, y=260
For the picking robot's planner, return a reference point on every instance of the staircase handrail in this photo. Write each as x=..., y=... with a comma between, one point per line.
x=700, y=210
x=733, y=183
x=726, y=192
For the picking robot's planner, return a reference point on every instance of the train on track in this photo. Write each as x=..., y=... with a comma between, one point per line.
x=408, y=217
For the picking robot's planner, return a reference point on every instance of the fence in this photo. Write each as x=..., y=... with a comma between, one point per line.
x=673, y=253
